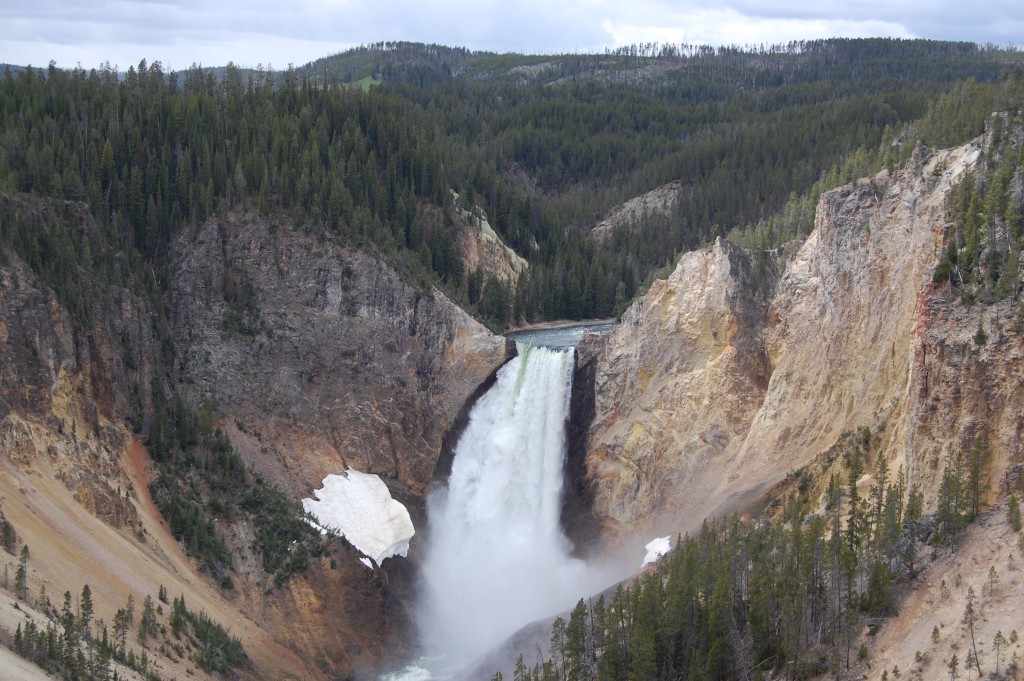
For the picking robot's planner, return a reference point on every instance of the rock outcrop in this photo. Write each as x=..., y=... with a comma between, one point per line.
x=328, y=360
x=321, y=358
x=677, y=385
x=73, y=484
x=482, y=249
x=66, y=389
x=659, y=201
x=721, y=380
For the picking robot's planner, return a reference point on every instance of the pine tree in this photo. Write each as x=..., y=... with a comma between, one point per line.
x=21, y=575
x=178, y=613
x=147, y=622
x=120, y=629
x=950, y=504
x=71, y=634
x=8, y=537
x=579, y=647
x=979, y=454
x=85, y=613
x=968, y=620
x=1013, y=510
x=557, y=647
x=993, y=580
x=521, y=673
x=999, y=642
x=980, y=337
x=85, y=610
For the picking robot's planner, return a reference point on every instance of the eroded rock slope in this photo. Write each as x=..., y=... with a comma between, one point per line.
x=311, y=356
x=325, y=358
x=725, y=378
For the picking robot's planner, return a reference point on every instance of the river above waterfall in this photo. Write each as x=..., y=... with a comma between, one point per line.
x=562, y=336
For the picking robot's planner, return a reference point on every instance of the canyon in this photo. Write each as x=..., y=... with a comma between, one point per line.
x=720, y=387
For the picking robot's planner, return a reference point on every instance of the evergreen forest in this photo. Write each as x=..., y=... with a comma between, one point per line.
x=544, y=146
x=100, y=170
x=785, y=598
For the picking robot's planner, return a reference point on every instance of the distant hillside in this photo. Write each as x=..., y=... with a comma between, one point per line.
x=794, y=62
x=545, y=146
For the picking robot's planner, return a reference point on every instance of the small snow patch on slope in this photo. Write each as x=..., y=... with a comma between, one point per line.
x=656, y=548
x=359, y=507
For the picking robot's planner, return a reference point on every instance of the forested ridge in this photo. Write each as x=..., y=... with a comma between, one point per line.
x=100, y=171
x=545, y=146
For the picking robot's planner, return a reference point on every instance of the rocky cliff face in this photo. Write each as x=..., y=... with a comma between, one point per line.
x=321, y=357
x=960, y=393
x=66, y=389
x=482, y=249
x=72, y=480
x=314, y=357
x=677, y=384
x=721, y=380
x=659, y=201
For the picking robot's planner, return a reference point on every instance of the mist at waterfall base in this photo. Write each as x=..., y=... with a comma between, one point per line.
x=496, y=557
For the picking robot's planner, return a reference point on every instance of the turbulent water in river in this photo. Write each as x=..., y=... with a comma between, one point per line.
x=496, y=557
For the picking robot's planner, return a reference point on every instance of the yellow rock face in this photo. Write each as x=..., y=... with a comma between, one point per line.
x=716, y=385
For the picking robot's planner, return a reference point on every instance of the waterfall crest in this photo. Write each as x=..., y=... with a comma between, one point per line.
x=496, y=557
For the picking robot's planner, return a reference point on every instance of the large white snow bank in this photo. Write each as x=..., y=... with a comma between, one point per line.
x=656, y=548
x=359, y=507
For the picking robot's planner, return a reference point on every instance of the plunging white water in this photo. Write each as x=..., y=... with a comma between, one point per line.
x=496, y=557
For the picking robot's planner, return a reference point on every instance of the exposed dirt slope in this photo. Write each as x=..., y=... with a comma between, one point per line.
x=70, y=548
x=939, y=600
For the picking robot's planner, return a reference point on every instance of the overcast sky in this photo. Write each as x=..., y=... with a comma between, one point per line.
x=279, y=32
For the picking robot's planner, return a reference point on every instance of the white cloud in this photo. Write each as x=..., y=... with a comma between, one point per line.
x=212, y=32
x=729, y=27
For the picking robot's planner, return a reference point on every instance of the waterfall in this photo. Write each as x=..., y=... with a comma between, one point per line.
x=496, y=557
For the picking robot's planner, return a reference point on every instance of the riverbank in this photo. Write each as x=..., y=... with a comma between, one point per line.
x=560, y=336
x=561, y=324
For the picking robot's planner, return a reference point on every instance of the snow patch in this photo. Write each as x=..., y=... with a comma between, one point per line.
x=656, y=548
x=359, y=507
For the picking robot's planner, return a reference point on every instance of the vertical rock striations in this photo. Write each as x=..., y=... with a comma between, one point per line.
x=677, y=385
x=322, y=356
x=723, y=378
x=65, y=389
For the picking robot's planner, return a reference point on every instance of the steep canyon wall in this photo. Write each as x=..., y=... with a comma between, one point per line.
x=313, y=357
x=727, y=376
x=332, y=360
